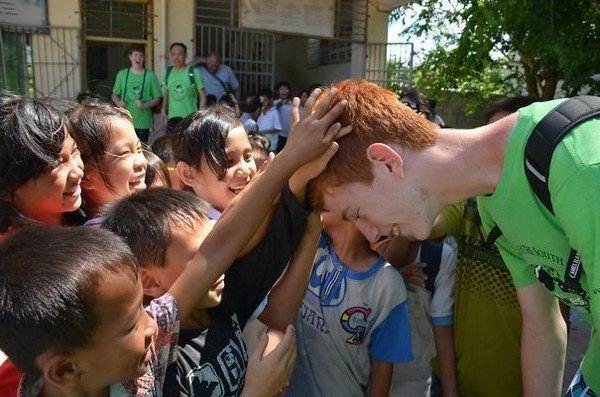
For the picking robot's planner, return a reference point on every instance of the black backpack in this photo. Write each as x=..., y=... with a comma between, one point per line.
x=544, y=138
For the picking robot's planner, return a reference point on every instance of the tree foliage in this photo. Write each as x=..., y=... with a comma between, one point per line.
x=506, y=46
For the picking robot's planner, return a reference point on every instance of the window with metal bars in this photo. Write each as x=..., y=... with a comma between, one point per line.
x=117, y=19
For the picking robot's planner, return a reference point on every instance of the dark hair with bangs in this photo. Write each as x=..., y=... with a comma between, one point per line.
x=32, y=134
x=204, y=135
x=91, y=126
x=145, y=221
x=48, y=282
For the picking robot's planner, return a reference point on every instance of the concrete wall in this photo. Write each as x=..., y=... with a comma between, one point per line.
x=291, y=56
x=180, y=27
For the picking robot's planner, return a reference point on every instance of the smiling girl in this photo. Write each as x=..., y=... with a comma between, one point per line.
x=40, y=164
x=115, y=165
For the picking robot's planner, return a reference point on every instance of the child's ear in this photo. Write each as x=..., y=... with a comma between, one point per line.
x=61, y=369
x=380, y=154
x=186, y=173
x=150, y=284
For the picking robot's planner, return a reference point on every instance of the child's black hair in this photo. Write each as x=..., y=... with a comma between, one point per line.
x=145, y=221
x=506, y=105
x=203, y=134
x=260, y=151
x=91, y=124
x=48, y=282
x=163, y=148
x=32, y=134
x=156, y=169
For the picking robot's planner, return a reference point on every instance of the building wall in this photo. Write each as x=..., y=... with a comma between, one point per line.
x=180, y=28
x=291, y=56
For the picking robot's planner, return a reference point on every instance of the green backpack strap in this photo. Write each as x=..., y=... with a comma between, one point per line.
x=167, y=76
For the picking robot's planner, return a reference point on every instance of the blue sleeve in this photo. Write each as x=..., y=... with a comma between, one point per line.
x=390, y=341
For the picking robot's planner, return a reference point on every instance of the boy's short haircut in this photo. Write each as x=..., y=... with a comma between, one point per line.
x=48, y=282
x=91, y=124
x=203, y=134
x=145, y=221
x=252, y=104
x=376, y=116
x=283, y=84
x=177, y=43
x=506, y=105
x=136, y=48
x=266, y=92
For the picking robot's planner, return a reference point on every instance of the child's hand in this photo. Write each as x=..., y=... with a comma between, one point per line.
x=413, y=275
x=139, y=104
x=316, y=131
x=268, y=375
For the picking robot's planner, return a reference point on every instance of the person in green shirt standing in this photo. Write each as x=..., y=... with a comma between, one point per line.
x=137, y=90
x=396, y=172
x=183, y=88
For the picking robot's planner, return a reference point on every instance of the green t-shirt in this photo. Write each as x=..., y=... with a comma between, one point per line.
x=137, y=88
x=487, y=319
x=182, y=95
x=535, y=243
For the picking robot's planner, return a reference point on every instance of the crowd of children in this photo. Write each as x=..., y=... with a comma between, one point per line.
x=127, y=270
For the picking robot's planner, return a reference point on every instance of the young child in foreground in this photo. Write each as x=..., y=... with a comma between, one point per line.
x=71, y=300
x=353, y=321
x=212, y=356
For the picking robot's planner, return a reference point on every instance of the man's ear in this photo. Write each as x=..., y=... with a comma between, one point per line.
x=380, y=154
x=60, y=369
x=150, y=284
x=186, y=173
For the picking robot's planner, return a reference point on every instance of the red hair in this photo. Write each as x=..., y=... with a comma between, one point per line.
x=376, y=115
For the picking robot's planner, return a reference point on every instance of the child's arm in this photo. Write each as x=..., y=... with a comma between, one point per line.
x=312, y=136
x=381, y=378
x=444, y=343
x=285, y=297
x=269, y=373
x=442, y=303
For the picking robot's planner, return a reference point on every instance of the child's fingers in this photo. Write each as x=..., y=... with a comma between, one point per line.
x=310, y=102
x=332, y=132
x=295, y=116
x=267, y=163
x=334, y=112
x=259, y=347
x=343, y=131
x=322, y=106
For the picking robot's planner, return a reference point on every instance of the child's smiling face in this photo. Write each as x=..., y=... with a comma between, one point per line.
x=241, y=168
x=122, y=345
x=124, y=162
x=56, y=190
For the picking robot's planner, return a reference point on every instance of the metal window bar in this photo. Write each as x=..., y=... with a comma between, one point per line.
x=390, y=65
x=250, y=54
x=114, y=18
x=40, y=61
